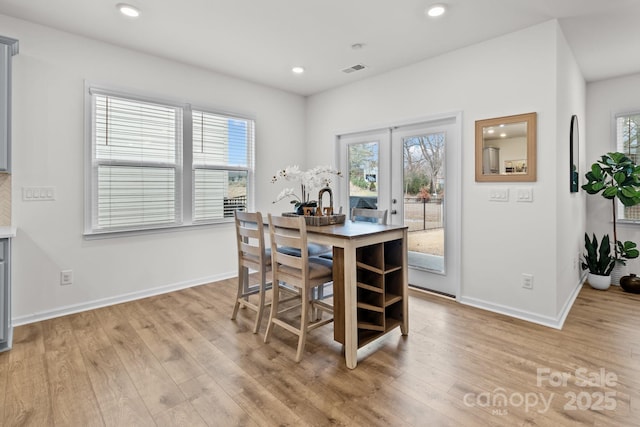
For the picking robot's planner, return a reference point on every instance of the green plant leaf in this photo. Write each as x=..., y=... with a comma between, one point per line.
x=596, y=171
x=632, y=253
x=620, y=177
x=627, y=250
x=610, y=192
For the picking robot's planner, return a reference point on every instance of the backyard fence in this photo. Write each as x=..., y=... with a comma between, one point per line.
x=423, y=215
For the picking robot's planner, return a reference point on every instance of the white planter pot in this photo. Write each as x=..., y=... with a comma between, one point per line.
x=618, y=272
x=599, y=282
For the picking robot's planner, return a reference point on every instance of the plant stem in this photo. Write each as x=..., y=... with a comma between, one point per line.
x=615, y=234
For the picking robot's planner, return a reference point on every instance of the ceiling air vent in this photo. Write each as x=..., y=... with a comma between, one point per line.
x=354, y=68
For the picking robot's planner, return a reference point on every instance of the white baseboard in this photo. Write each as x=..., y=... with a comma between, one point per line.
x=90, y=305
x=549, y=321
x=569, y=303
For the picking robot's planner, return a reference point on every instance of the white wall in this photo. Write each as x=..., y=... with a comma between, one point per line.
x=604, y=99
x=570, y=207
x=48, y=144
x=512, y=74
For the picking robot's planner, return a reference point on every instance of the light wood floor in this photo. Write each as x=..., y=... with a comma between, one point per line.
x=177, y=359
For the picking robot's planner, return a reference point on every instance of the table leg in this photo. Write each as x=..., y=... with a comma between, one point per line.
x=404, y=326
x=350, y=306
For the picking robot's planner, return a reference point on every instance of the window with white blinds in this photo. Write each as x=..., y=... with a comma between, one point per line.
x=221, y=164
x=627, y=127
x=137, y=175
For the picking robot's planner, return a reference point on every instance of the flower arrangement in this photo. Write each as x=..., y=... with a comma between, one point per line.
x=310, y=180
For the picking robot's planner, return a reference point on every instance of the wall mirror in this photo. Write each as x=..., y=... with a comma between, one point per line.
x=574, y=144
x=506, y=149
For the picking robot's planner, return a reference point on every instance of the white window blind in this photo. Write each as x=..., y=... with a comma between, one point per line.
x=221, y=164
x=156, y=164
x=136, y=157
x=627, y=127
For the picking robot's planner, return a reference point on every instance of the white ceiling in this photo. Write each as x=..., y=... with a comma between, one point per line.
x=260, y=40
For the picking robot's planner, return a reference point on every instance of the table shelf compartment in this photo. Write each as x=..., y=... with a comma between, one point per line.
x=370, y=300
x=370, y=320
x=371, y=255
x=393, y=255
x=393, y=315
x=366, y=336
x=367, y=277
x=390, y=299
x=391, y=324
x=380, y=289
x=393, y=282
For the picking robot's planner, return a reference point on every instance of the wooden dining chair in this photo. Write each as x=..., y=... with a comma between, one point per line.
x=302, y=272
x=253, y=255
x=360, y=214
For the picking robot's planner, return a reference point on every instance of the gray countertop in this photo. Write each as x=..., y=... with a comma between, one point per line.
x=7, y=231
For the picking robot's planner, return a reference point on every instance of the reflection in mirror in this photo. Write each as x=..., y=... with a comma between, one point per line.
x=506, y=148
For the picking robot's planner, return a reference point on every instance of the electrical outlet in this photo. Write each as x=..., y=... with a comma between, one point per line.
x=66, y=277
x=527, y=281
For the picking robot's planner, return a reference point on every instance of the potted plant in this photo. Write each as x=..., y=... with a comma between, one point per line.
x=617, y=177
x=310, y=180
x=598, y=261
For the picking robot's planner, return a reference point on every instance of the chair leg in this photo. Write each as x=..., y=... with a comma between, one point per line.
x=241, y=278
x=304, y=323
x=263, y=291
x=275, y=288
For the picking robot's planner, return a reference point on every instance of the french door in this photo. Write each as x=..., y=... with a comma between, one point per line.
x=413, y=171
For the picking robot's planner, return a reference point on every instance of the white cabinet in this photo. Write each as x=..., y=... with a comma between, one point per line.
x=5, y=294
x=8, y=48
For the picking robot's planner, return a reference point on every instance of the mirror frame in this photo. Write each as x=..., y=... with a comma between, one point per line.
x=530, y=175
x=574, y=153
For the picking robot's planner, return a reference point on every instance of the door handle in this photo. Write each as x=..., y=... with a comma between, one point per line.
x=394, y=212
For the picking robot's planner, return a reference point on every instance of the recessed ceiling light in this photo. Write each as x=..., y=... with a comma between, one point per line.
x=128, y=10
x=435, y=10
x=297, y=70
x=491, y=131
x=503, y=135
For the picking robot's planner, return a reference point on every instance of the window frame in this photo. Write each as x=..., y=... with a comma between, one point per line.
x=185, y=168
x=620, y=208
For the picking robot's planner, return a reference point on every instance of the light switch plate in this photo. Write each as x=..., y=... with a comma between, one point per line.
x=525, y=194
x=498, y=194
x=33, y=194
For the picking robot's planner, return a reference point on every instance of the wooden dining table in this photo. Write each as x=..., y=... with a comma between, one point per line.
x=370, y=281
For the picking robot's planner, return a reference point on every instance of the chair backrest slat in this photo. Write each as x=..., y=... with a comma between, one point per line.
x=380, y=215
x=289, y=232
x=250, y=238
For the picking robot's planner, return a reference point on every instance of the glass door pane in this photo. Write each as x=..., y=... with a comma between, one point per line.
x=424, y=197
x=363, y=175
